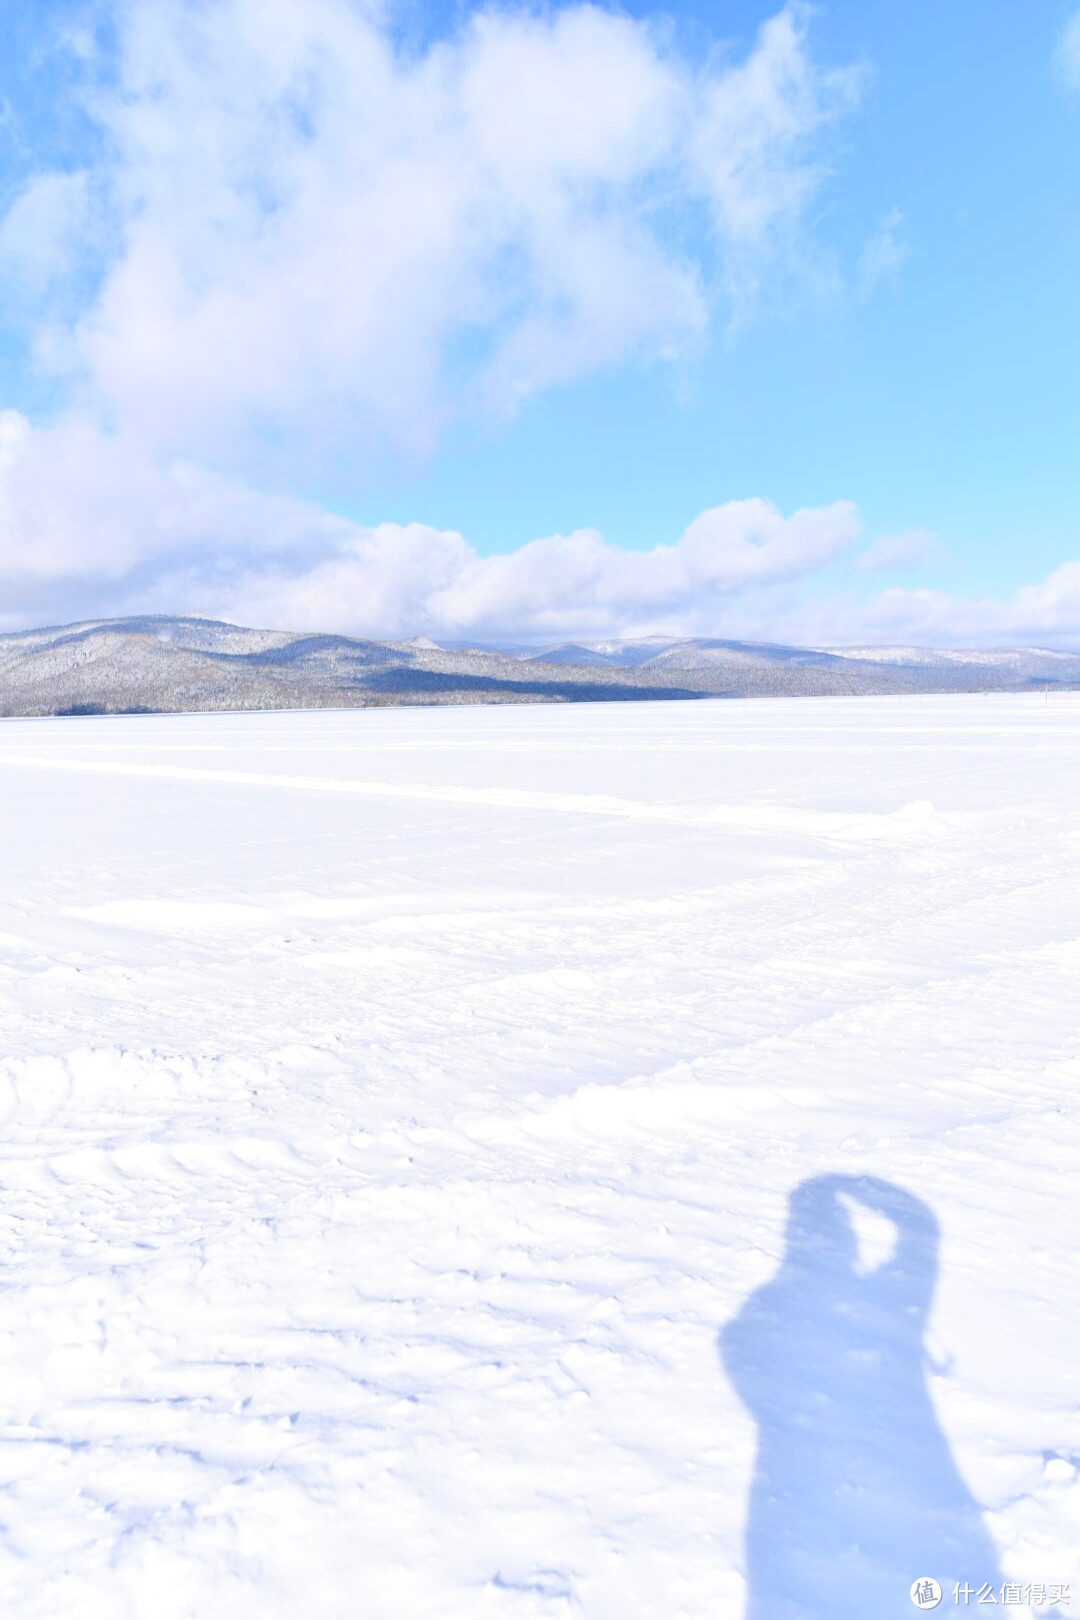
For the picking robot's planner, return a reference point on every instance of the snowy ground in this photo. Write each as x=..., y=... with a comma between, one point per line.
x=408, y=1116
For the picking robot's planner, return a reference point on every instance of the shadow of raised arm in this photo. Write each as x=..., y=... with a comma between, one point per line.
x=855, y=1492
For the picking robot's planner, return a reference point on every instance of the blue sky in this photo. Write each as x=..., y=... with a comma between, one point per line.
x=430, y=320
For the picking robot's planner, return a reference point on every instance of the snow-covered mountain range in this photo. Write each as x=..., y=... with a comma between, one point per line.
x=171, y=664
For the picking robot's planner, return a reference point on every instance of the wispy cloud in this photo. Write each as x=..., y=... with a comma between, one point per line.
x=41, y=232
x=913, y=549
x=883, y=254
x=1067, y=53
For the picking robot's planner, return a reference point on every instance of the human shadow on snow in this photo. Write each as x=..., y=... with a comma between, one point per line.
x=855, y=1493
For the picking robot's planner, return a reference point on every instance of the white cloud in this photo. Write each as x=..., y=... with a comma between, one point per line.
x=582, y=584
x=308, y=231
x=86, y=521
x=1045, y=612
x=757, y=576
x=1067, y=53
x=749, y=144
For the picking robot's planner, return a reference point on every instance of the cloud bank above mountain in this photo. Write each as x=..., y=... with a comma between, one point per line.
x=116, y=531
x=115, y=535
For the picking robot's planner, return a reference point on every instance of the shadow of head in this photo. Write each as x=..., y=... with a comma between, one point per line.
x=855, y=1492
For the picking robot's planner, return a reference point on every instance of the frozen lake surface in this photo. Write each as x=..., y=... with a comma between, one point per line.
x=616, y=1161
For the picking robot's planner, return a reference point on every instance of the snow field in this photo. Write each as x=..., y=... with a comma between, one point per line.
x=400, y=1105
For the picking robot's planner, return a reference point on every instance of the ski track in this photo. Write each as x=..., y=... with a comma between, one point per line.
x=383, y=1159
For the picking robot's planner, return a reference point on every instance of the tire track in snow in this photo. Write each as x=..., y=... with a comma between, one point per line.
x=914, y=820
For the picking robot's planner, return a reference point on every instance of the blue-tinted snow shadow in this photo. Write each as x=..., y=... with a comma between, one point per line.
x=855, y=1492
